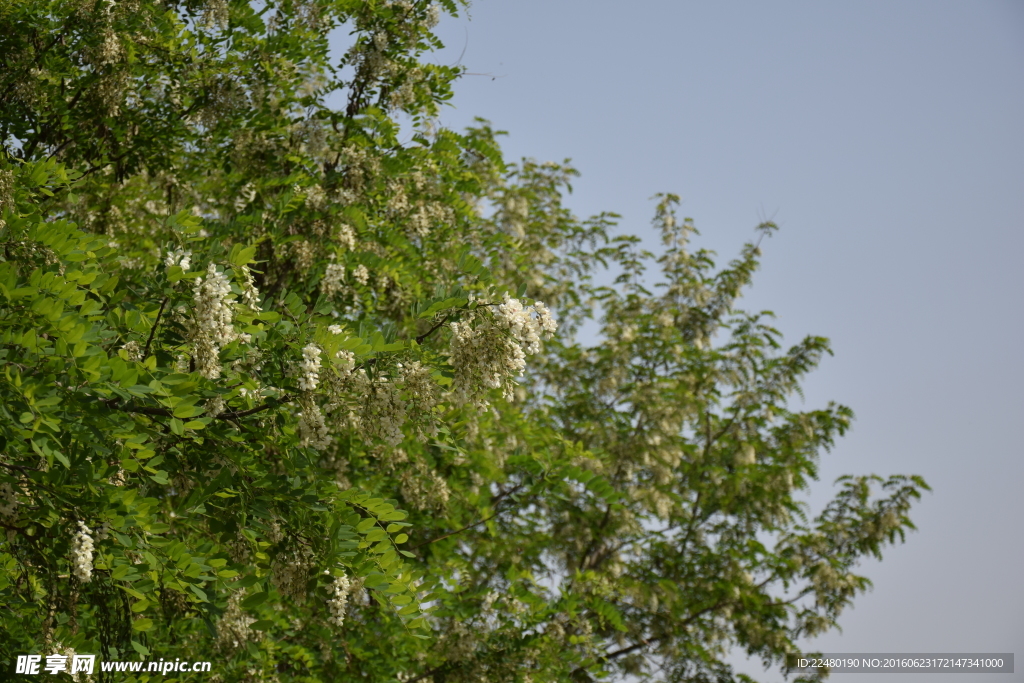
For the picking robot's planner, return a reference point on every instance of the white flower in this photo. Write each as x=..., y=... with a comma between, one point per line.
x=315, y=198
x=245, y=195
x=348, y=361
x=313, y=431
x=250, y=295
x=215, y=406
x=335, y=329
x=133, y=350
x=178, y=257
x=334, y=280
x=233, y=629
x=746, y=455
x=361, y=274
x=346, y=236
x=309, y=368
x=336, y=604
x=290, y=571
x=81, y=553
x=489, y=351
x=211, y=325
x=433, y=15
x=382, y=412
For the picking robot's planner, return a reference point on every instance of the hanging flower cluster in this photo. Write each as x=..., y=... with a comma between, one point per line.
x=81, y=553
x=215, y=406
x=488, y=349
x=290, y=572
x=313, y=431
x=250, y=294
x=309, y=368
x=333, y=282
x=527, y=324
x=382, y=412
x=211, y=325
x=233, y=629
x=336, y=604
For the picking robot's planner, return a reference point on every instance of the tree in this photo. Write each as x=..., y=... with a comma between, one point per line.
x=274, y=394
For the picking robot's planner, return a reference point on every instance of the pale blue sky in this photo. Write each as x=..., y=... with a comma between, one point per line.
x=887, y=139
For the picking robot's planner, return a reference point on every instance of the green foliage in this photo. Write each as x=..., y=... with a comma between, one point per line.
x=240, y=419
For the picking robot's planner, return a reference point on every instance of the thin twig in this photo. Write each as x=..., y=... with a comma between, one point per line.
x=441, y=538
x=419, y=339
x=228, y=415
x=152, y=331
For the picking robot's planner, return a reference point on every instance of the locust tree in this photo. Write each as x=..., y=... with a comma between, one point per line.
x=300, y=388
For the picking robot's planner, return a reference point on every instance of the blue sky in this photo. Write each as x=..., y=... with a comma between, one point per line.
x=887, y=140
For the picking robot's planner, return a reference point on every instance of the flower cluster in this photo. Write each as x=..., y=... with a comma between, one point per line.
x=346, y=237
x=233, y=630
x=313, y=431
x=488, y=351
x=8, y=501
x=215, y=406
x=178, y=257
x=336, y=604
x=527, y=324
x=133, y=351
x=81, y=553
x=291, y=571
x=250, y=294
x=382, y=412
x=423, y=488
x=347, y=361
x=316, y=198
x=211, y=325
x=309, y=368
x=334, y=280
x=422, y=393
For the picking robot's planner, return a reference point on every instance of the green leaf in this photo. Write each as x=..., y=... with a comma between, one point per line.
x=132, y=592
x=144, y=624
x=254, y=600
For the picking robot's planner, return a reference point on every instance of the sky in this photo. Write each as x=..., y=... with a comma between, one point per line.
x=887, y=141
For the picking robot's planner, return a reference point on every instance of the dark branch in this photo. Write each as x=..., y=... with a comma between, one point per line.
x=495, y=503
x=145, y=351
x=227, y=415
x=419, y=339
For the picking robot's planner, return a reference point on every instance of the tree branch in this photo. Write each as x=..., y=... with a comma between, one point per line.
x=227, y=415
x=497, y=501
x=152, y=331
x=419, y=339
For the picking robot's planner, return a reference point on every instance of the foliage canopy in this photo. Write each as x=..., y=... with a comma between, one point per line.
x=274, y=394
